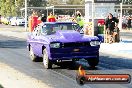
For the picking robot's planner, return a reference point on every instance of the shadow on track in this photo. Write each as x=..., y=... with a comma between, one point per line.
x=74, y=65
x=12, y=44
x=115, y=63
x=106, y=62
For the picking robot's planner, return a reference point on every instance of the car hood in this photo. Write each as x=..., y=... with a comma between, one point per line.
x=70, y=36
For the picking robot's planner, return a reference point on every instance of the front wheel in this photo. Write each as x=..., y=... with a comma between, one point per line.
x=93, y=62
x=33, y=57
x=47, y=63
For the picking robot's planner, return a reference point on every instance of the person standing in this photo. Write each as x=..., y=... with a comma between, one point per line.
x=51, y=18
x=124, y=22
x=111, y=27
x=43, y=18
x=110, y=23
x=79, y=20
x=129, y=23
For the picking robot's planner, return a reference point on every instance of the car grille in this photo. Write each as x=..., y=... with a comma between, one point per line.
x=75, y=44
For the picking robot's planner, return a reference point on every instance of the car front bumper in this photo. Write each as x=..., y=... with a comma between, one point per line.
x=71, y=53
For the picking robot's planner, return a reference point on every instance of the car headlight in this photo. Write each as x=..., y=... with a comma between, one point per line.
x=94, y=43
x=55, y=45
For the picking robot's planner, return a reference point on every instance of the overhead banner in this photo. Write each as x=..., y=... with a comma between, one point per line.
x=107, y=1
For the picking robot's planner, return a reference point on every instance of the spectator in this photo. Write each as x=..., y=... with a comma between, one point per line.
x=124, y=22
x=51, y=18
x=111, y=28
x=110, y=23
x=129, y=23
x=43, y=18
x=73, y=18
x=79, y=20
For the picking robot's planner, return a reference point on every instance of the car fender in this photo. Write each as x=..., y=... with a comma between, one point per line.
x=47, y=47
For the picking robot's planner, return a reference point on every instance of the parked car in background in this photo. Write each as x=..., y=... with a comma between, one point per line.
x=2, y=19
x=7, y=20
x=17, y=21
x=59, y=41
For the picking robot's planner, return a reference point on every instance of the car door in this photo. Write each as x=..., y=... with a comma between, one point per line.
x=33, y=37
x=39, y=42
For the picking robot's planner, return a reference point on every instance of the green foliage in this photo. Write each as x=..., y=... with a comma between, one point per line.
x=7, y=8
x=12, y=7
x=71, y=2
x=13, y=10
x=54, y=2
x=2, y=9
x=75, y=2
x=36, y=3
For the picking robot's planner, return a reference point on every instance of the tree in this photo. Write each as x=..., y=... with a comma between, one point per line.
x=12, y=7
x=8, y=8
x=127, y=11
x=54, y=2
x=75, y=2
x=37, y=3
x=18, y=5
x=3, y=10
x=13, y=10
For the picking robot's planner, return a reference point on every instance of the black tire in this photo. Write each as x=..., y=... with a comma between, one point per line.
x=47, y=63
x=33, y=57
x=93, y=62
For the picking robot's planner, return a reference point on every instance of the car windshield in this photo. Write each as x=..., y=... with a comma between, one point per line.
x=52, y=28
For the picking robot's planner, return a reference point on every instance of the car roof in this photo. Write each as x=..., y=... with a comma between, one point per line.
x=59, y=22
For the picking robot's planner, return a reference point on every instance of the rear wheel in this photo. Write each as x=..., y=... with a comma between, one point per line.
x=47, y=63
x=93, y=62
x=33, y=57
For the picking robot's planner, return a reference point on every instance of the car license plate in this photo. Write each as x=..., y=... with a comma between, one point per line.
x=76, y=50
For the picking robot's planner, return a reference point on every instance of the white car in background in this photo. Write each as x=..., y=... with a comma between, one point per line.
x=17, y=21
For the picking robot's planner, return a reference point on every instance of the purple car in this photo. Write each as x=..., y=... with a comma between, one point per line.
x=59, y=41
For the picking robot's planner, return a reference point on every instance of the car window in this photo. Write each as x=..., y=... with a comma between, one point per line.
x=49, y=29
x=35, y=31
x=44, y=30
x=76, y=27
